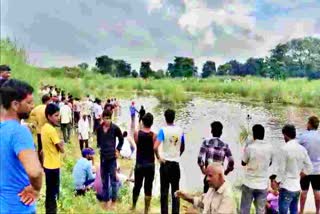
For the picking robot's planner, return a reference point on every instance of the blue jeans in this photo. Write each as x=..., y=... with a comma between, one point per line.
x=288, y=200
x=259, y=198
x=108, y=174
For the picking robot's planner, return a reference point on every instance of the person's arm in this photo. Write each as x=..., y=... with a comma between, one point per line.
x=182, y=147
x=120, y=138
x=202, y=156
x=230, y=166
x=54, y=137
x=246, y=156
x=90, y=174
x=184, y=196
x=24, y=149
x=135, y=137
x=160, y=139
x=307, y=164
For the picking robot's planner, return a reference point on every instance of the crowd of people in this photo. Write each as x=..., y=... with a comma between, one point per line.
x=23, y=163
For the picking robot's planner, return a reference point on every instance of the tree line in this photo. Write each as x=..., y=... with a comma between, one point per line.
x=296, y=58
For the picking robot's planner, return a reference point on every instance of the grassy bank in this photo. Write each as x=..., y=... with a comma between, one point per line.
x=299, y=92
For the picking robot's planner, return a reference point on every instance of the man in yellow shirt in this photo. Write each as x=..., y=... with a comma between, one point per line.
x=38, y=119
x=52, y=147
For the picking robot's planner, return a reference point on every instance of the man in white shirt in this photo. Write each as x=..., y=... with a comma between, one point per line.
x=294, y=164
x=311, y=141
x=83, y=130
x=66, y=119
x=257, y=158
x=97, y=113
x=171, y=138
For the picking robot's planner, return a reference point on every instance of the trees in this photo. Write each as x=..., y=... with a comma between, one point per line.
x=182, y=67
x=145, y=70
x=122, y=68
x=83, y=66
x=104, y=64
x=209, y=68
x=117, y=68
x=224, y=69
x=134, y=74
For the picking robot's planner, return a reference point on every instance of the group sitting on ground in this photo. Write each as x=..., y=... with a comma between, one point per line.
x=22, y=167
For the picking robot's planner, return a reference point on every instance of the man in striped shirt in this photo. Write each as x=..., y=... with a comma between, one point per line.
x=214, y=150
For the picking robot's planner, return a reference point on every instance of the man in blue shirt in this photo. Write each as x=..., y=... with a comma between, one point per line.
x=82, y=172
x=21, y=171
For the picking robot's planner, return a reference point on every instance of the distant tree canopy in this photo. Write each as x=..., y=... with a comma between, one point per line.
x=182, y=67
x=209, y=68
x=117, y=68
x=145, y=70
x=83, y=66
x=296, y=58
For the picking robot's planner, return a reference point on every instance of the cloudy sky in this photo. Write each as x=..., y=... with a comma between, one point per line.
x=68, y=32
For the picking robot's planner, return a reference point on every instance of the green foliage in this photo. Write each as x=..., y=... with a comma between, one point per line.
x=83, y=66
x=209, y=68
x=134, y=74
x=145, y=70
x=182, y=67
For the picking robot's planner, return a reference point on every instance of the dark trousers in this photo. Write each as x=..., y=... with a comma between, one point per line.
x=40, y=149
x=108, y=174
x=87, y=183
x=66, y=131
x=76, y=116
x=81, y=142
x=169, y=175
x=52, y=189
x=96, y=124
x=145, y=173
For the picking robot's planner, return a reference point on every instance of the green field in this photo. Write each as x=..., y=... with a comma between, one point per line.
x=297, y=91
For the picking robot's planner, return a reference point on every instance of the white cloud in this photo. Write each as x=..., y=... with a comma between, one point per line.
x=154, y=5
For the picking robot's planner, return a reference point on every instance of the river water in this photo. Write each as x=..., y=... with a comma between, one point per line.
x=195, y=118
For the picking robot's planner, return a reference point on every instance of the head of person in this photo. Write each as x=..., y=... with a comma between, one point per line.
x=147, y=120
x=215, y=175
x=142, y=107
x=169, y=115
x=107, y=117
x=258, y=132
x=132, y=103
x=289, y=132
x=273, y=183
x=98, y=101
x=216, y=129
x=88, y=153
x=5, y=72
x=313, y=123
x=45, y=99
x=52, y=113
x=84, y=116
x=108, y=101
x=125, y=134
x=65, y=101
x=16, y=98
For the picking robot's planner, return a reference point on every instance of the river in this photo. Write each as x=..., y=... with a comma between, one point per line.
x=195, y=118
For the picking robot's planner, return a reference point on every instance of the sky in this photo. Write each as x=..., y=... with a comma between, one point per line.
x=69, y=32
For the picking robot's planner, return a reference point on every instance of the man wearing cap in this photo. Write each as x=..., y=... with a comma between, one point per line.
x=82, y=172
x=4, y=73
